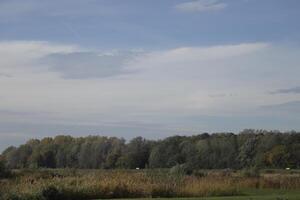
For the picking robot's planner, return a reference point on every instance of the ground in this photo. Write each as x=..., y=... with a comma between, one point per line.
x=251, y=195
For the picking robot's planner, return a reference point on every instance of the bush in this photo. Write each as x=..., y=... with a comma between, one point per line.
x=4, y=172
x=163, y=192
x=180, y=170
x=15, y=196
x=251, y=172
x=269, y=171
x=199, y=173
x=108, y=184
x=10, y=197
x=51, y=193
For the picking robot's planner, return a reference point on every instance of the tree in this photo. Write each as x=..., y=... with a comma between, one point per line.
x=4, y=172
x=167, y=153
x=115, y=152
x=157, y=157
x=247, y=152
x=190, y=154
x=277, y=156
x=48, y=159
x=250, y=148
x=136, y=154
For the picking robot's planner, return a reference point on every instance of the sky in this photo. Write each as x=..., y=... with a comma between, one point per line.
x=130, y=68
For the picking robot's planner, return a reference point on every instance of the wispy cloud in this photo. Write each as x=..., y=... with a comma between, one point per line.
x=295, y=90
x=220, y=95
x=83, y=65
x=291, y=107
x=201, y=6
x=4, y=75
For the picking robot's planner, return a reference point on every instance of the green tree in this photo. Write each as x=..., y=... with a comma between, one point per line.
x=136, y=154
x=277, y=156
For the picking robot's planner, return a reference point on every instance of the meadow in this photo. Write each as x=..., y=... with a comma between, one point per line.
x=65, y=184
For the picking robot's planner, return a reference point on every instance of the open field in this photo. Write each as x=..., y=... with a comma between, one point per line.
x=250, y=194
x=98, y=184
x=271, y=196
x=295, y=196
x=254, y=194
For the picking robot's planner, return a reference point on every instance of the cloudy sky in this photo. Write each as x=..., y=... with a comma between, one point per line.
x=151, y=68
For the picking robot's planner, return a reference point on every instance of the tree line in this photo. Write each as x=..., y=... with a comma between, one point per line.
x=249, y=148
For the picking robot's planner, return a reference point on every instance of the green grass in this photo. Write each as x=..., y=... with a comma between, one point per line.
x=276, y=196
x=264, y=194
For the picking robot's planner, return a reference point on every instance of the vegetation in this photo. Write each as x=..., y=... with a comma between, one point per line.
x=93, y=167
x=267, y=195
x=4, y=171
x=249, y=149
x=65, y=184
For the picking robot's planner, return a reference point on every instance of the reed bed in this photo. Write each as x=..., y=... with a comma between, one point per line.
x=95, y=184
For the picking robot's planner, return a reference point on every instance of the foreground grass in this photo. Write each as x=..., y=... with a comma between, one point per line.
x=68, y=184
x=258, y=194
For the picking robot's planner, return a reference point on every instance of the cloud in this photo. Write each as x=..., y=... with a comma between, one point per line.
x=291, y=107
x=295, y=90
x=201, y=6
x=71, y=86
x=82, y=65
x=220, y=95
x=4, y=75
x=199, y=54
x=171, y=81
x=69, y=61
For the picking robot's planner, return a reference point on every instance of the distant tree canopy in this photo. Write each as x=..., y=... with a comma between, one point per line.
x=250, y=148
x=4, y=172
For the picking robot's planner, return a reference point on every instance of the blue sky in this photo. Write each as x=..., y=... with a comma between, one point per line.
x=148, y=24
x=152, y=68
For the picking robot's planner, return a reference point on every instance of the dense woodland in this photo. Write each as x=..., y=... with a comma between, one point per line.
x=249, y=148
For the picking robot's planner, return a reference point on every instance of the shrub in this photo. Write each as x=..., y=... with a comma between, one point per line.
x=269, y=171
x=251, y=172
x=107, y=184
x=51, y=193
x=164, y=191
x=180, y=170
x=10, y=197
x=15, y=196
x=199, y=173
x=4, y=171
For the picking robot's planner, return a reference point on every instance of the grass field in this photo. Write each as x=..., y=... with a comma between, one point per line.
x=264, y=194
x=73, y=184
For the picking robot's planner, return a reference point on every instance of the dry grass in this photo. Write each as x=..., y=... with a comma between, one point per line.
x=93, y=184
